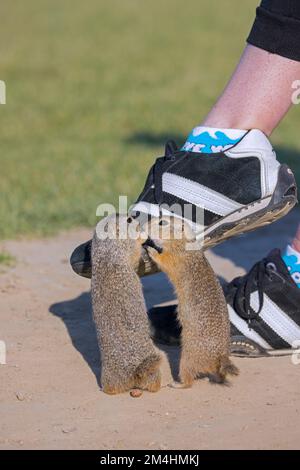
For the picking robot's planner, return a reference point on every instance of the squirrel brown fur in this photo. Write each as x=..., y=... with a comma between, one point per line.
x=129, y=359
x=202, y=309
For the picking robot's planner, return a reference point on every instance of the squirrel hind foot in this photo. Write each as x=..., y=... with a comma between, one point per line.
x=147, y=375
x=114, y=389
x=116, y=385
x=187, y=377
x=152, y=383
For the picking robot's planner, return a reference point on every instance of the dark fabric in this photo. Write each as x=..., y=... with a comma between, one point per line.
x=287, y=298
x=236, y=178
x=276, y=28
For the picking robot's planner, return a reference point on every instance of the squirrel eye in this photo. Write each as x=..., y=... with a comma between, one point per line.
x=129, y=220
x=163, y=222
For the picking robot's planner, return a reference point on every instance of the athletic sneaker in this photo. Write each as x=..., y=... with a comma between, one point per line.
x=234, y=191
x=264, y=311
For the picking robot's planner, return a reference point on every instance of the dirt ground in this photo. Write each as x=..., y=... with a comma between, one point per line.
x=49, y=394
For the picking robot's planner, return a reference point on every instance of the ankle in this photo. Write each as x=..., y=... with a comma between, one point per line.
x=296, y=244
x=215, y=119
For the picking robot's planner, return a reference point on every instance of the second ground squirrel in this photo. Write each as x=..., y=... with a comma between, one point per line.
x=202, y=309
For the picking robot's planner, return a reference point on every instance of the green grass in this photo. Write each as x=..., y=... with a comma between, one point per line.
x=6, y=259
x=93, y=90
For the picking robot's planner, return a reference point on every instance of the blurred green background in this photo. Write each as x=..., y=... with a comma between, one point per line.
x=94, y=89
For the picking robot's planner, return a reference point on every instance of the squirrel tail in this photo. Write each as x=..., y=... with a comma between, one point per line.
x=226, y=367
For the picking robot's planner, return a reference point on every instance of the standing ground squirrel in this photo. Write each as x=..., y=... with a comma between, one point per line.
x=128, y=357
x=202, y=309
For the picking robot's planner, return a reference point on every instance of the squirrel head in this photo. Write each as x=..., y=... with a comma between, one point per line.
x=119, y=237
x=168, y=238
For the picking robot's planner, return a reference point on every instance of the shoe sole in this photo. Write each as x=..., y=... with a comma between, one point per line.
x=240, y=346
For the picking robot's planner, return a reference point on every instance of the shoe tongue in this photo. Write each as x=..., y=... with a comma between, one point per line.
x=274, y=257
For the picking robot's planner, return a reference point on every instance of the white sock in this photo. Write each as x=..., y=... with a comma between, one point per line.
x=212, y=139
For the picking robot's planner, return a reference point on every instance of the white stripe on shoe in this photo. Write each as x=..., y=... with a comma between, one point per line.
x=153, y=210
x=199, y=195
x=276, y=319
x=243, y=327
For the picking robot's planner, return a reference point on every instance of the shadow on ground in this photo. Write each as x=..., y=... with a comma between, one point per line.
x=154, y=140
x=78, y=319
x=290, y=156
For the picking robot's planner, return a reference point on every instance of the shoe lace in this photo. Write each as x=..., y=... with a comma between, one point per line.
x=256, y=278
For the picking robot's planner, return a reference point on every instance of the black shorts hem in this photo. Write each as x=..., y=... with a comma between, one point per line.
x=276, y=33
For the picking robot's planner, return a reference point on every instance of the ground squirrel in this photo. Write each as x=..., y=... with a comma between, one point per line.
x=128, y=357
x=202, y=309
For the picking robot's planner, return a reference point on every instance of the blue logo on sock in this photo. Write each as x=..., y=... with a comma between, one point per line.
x=293, y=266
x=207, y=143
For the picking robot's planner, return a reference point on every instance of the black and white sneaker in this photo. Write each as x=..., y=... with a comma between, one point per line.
x=220, y=194
x=234, y=191
x=263, y=307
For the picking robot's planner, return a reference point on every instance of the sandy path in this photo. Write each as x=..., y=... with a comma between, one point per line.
x=49, y=396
